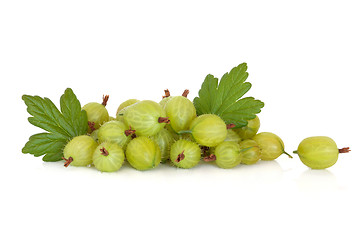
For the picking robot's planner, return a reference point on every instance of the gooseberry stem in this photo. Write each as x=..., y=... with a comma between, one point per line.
x=104, y=152
x=67, y=161
x=287, y=154
x=163, y=120
x=167, y=93
x=91, y=126
x=296, y=152
x=180, y=157
x=210, y=158
x=105, y=99
x=230, y=125
x=344, y=150
x=245, y=149
x=184, y=131
x=185, y=93
x=129, y=131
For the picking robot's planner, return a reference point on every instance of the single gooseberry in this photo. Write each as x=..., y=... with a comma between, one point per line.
x=97, y=114
x=208, y=130
x=143, y=153
x=146, y=117
x=185, y=154
x=250, y=130
x=226, y=155
x=319, y=152
x=79, y=150
x=108, y=157
x=271, y=145
x=250, y=152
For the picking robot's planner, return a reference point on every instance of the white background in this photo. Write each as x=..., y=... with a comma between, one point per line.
x=303, y=61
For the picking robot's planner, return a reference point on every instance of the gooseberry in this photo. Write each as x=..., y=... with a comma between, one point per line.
x=164, y=139
x=319, y=152
x=115, y=131
x=271, y=145
x=79, y=150
x=97, y=114
x=208, y=130
x=185, y=154
x=226, y=155
x=108, y=157
x=181, y=112
x=146, y=117
x=143, y=153
x=250, y=130
x=250, y=152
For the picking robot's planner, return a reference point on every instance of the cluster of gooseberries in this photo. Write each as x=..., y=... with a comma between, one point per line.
x=146, y=133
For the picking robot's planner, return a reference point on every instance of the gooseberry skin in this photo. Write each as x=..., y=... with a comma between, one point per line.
x=232, y=136
x=249, y=152
x=122, y=107
x=181, y=112
x=208, y=130
x=96, y=113
x=80, y=149
x=164, y=101
x=111, y=162
x=126, y=104
x=144, y=117
x=120, y=115
x=114, y=131
x=250, y=130
x=191, y=153
x=164, y=139
x=318, y=152
x=175, y=135
x=227, y=155
x=94, y=135
x=143, y=153
x=271, y=145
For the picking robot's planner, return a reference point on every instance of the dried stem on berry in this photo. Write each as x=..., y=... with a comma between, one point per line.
x=163, y=120
x=180, y=157
x=91, y=126
x=104, y=152
x=230, y=125
x=210, y=158
x=67, y=161
x=167, y=93
x=129, y=131
x=344, y=150
x=185, y=93
x=105, y=99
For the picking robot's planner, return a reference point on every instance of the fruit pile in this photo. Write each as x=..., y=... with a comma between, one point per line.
x=147, y=133
x=217, y=126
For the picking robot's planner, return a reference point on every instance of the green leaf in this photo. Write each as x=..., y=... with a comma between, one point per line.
x=225, y=98
x=204, y=102
x=60, y=127
x=71, y=109
x=45, y=143
x=45, y=115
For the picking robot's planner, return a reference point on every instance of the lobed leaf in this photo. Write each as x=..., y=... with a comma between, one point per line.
x=244, y=110
x=60, y=126
x=46, y=115
x=71, y=109
x=45, y=143
x=204, y=102
x=224, y=98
